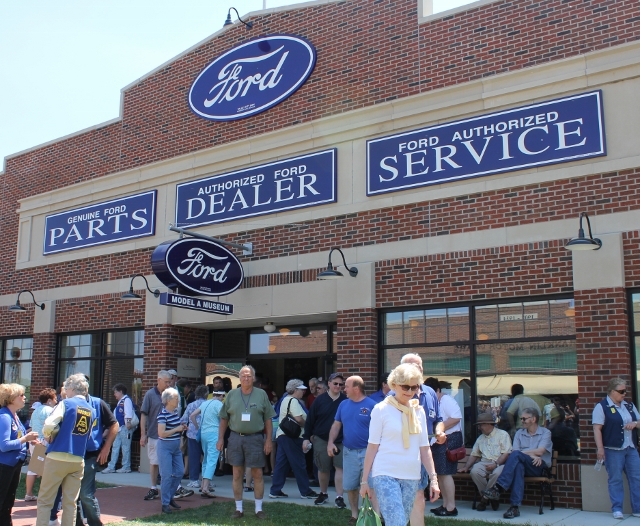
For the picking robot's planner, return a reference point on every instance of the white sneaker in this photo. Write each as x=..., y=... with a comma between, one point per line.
x=54, y=522
x=636, y=514
x=28, y=498
x=618, y=515
x=121, y=470
x=108, y=470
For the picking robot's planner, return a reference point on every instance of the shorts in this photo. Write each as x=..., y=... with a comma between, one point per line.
x=247, y=450
x=352, y=468
x=324, y=461
x=152, y=451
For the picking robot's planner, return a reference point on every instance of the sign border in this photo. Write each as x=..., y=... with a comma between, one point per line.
x=261, y=109
x=603, y=146
x=154, y=193
x=164, y=296
x=333, y=199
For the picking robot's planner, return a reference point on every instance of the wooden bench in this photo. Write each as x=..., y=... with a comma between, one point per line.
x=544, y=483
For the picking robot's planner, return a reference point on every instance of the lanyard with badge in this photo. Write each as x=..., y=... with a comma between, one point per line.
x=246, y=415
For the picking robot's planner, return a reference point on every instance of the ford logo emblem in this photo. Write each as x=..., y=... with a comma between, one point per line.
x=198, y=266
x=252, y=77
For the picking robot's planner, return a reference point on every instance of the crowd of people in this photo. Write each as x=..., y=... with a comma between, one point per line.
x=396, y=446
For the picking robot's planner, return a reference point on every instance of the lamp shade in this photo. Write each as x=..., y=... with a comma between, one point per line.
x=583, y=243
x=330, y=273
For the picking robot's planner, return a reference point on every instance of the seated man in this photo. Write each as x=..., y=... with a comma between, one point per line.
x=488, y=456
x=530, y=456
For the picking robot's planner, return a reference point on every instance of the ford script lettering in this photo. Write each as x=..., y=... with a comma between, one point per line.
x=197, y=266
x=252, y=77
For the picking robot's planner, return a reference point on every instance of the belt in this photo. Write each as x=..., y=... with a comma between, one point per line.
x=248, y=434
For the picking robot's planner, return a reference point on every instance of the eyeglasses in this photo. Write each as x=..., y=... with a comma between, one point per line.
x=524, y=419
x=413, y=388
x=338, y=384
x=621, y=391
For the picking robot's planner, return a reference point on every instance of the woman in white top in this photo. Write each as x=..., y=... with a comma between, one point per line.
x=398, y=443
x=451, y=417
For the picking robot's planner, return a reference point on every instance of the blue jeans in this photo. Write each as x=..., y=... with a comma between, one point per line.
x=616, y=462
x=211, y=454
x=122, y=441
x=88, y=506
x=171, y=468
x=516, y=468
x=195, y=454
x=395, y=497
x=290, y=456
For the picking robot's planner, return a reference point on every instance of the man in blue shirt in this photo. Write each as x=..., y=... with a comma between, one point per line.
x=380, y=395
x=435, y=427
x=353, y=417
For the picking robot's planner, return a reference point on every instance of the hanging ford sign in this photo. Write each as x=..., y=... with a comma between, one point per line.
x=252, y=77
x=197, y=266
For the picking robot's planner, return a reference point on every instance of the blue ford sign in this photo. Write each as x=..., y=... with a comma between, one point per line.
x=562, y=130
x=118, y=220
x=198, y=266
x=252, y=77
x=298, y=182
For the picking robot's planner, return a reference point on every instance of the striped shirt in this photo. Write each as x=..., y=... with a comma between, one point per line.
x=170, y=421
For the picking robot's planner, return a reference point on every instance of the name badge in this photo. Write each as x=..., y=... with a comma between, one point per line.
x=613, y=409
x=432, y=413
x=246, y=417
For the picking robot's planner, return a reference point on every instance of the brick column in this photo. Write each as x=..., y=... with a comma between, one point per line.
x=357, y=344
x=42, y=363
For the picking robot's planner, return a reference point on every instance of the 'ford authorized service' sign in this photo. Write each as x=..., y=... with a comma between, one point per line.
x=197, y=265
x=550, y=132
x=252, y=77
x=298, y=182
x=187, y=302
x=124, y=218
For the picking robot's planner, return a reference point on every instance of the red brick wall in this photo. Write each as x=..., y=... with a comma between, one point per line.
x=602, y=345
x=94, y=313
x=16, y=323
x=357, y=345
x=631, y=250
x=42, y=364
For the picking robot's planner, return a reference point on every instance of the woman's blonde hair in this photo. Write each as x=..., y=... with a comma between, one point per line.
x=8, y=392
x=405, y=374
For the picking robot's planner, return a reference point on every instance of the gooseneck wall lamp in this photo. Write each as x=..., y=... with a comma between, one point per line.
x=332, y=273
x=581, y=242
x=132, y=296
x=228, y=21
x=19, y=308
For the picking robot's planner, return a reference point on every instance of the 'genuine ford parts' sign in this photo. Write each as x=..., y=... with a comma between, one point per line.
x=198, y=266
x=252, y=77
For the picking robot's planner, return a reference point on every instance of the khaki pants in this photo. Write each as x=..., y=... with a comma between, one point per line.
x=57, y=472
x=483, y=479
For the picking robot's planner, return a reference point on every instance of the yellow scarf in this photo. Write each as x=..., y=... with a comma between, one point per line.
x=410, y=422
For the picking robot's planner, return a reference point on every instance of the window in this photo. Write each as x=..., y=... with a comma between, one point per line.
x=16, y=366
x=482, y=351
x=107, y=358
x=635, y=339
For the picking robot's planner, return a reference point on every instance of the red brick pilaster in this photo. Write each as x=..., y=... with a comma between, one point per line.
x=357, y=345
x=602, y=345
x=42, y=364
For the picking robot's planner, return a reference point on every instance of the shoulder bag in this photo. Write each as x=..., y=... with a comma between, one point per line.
x=289, y=426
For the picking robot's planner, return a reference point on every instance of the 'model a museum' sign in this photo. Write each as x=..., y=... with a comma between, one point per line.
x=252, y=77
x=198, y=266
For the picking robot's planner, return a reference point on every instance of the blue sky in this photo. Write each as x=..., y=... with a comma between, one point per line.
x=63, y=63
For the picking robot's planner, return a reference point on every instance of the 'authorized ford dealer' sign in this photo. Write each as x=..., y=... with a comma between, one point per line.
x=562, y=130
x=297, y=182
x=198, y=266
x=252, y=77
x=124, y=218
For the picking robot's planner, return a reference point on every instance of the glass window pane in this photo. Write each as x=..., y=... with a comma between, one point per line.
x=127, y=372
x=80, y=346
x=414, y=325
x=91, y=368
x=289, y=340
x=18, y=349
x=511, y=322
x=486, y=322
x=458, y=324
x=129, y=343
x=393, y=328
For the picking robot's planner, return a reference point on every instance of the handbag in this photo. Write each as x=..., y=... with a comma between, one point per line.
x=457, y=454
x=367, y=515
x=289, y=426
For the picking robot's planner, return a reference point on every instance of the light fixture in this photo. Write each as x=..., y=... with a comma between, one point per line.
x=284, y=331
x=304, y=332
x=269, y=327
x=271, y=348
x=331, y=273
x=570, y=312
x=19, y=308
x=581, y=242
x=228, y=21
x=132, y=296
x=483, y=336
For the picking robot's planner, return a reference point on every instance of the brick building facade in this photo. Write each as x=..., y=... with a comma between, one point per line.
x=442, y=255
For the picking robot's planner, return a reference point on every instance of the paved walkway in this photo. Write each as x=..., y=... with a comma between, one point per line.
x=126, y=502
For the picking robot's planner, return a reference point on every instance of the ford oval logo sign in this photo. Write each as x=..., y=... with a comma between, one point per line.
x=252, y=77
x=197, y=265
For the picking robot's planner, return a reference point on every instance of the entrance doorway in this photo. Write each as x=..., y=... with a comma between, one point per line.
x=278, y=371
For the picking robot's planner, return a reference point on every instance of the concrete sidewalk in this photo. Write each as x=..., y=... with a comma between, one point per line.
x=529, y=515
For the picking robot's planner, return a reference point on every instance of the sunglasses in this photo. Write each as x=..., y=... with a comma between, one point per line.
x=621, y=391
x=413, y=388
x=525, y=418
x=338, y=384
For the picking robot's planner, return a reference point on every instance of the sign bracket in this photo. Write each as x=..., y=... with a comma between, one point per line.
x=247, y=248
